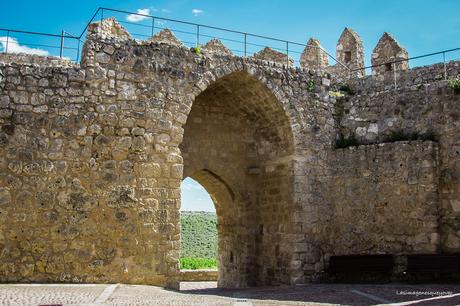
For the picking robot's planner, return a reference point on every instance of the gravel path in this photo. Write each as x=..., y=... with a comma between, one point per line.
x=206, y=293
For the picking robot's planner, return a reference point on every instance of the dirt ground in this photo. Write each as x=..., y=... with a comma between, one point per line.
x=206, y=293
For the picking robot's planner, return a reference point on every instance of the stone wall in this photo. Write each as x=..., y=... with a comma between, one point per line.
x=409, y=80
x=423, y=106
x=384, y=199
x=92, y=156
x=91, y=165
x=47, y=61
x=313, y=56
x=349, y=53
x=387, y=51
x=198, y=275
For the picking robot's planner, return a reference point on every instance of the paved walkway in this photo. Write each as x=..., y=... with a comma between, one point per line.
x=206, y=293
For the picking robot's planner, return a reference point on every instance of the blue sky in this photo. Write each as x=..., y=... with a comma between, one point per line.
x=422, y=26
x=195, y=197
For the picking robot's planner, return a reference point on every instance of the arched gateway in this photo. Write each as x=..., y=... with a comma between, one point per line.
x=238, y=144
x=94, y=168
x=92, y=156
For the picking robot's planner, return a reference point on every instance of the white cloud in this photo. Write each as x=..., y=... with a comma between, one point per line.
x=195, y=197
x=190, y=185
x=15, y=47
x=137, y=18
x=197, y=12
x=162, y=10
x=160, y=23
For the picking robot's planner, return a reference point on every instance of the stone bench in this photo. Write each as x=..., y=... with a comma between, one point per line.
x=433, y=265
x=361, y=267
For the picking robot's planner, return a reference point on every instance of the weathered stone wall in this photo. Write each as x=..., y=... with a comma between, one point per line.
x=48, y=61
x=198, y=275
x=349, y=53
x=430, y=110
x=92, y=157
x=268, y=54
x=383, y=199
x=313, y=56
x=410, y=80
x=91, y=165
x=388, y=50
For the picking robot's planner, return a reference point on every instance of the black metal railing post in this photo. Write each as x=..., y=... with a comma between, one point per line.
x=318, y=57
x=89, y=22
x=7, y=41
x=198, y=26
x=61, y=50
x=352, y=71
x=445, y=66
x=394, y=75
x=78, y=51
x=287, y=53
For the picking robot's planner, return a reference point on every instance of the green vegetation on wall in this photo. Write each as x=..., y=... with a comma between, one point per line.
x=455, y=85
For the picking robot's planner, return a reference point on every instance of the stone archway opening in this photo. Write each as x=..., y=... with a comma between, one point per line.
x=222, y=197
x=198, y=254
x=238, y=144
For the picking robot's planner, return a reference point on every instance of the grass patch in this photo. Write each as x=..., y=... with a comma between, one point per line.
x=191, y=263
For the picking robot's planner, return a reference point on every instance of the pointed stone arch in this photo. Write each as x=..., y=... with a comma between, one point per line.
x=253, y=72
x=229, y=249
x=239, y=130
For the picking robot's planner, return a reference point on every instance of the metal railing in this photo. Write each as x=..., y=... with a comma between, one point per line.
x=50, y=44
x=394, y=64
x=189, y=33
x=195, y=34
x=142, y=26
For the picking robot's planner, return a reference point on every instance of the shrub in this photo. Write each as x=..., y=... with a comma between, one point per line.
x=196, y=49
x=198, y=235
x=191, y=263
x=347, y=89
x=310, y=85
x=455, y=85
x=345, y=142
